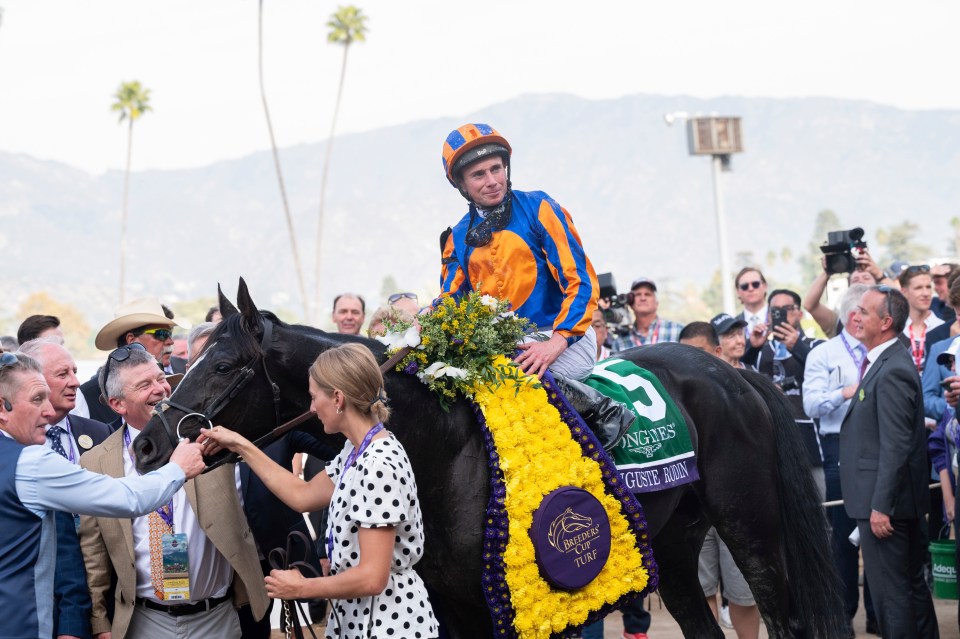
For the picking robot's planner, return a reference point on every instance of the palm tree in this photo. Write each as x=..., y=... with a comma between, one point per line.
x=132, y=101
x=276, y=162
x=346, y=26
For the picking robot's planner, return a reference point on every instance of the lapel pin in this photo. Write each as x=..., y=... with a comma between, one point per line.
x=85, y=442
x=862, y=394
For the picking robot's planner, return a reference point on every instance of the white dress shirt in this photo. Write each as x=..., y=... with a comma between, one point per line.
x=210, y=572
x=752, y=319
x=830, y=367
x=66, y=440
x=876, y=351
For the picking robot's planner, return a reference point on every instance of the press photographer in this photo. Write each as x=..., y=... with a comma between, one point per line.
x=647, y=327
x=843, y=252
x=780, y=353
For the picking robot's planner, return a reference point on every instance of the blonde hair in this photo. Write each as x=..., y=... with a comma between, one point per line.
x=352, y=369
x=383, y=313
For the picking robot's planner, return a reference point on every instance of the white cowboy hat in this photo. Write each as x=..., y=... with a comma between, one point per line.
x=145, y=311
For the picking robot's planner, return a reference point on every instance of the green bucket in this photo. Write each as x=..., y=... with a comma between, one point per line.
x=943, y=555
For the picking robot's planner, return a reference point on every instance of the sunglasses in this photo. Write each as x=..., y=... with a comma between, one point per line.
x=396, y=297
x=886, y=290
x=789, y=308
x=8, y=359
x=920, y=268
x=162, y=334
x=119, y=355
x=746, y=286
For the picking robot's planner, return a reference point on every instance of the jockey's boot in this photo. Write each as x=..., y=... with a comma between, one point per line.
x=607, y=418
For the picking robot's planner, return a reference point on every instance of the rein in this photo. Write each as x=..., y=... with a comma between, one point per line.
x=243, y=378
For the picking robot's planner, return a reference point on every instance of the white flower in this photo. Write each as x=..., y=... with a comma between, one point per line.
x=396, y=341
x=502, y=316
x=489, y=301
x=442, y=369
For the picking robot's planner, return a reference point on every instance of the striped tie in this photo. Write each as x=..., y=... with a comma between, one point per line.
x=158, y=528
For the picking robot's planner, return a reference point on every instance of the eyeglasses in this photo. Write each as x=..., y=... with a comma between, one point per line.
x=746, y=286
x=162, y=334
x=119, y=355
x=396, y=297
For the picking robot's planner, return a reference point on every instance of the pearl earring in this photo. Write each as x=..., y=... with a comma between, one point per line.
x=339, y=410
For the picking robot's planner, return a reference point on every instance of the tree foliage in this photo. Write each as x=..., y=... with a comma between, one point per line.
x=347, y=25
x=897, y=243
x=77, y=335
x=132, y=101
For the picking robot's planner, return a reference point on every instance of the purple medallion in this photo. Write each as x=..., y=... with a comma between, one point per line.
x=571, y=537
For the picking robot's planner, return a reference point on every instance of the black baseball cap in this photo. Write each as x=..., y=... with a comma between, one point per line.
x=724, y=323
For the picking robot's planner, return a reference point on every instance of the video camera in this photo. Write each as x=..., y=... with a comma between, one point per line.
x=618, y=321
x=838, y=250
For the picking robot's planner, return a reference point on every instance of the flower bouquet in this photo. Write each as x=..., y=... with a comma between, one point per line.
x=458, y=344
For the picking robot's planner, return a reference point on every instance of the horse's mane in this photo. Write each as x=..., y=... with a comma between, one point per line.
x=246, y=342
x=246, y=339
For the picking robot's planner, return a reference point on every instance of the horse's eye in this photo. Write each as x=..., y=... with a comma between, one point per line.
x=222, y=368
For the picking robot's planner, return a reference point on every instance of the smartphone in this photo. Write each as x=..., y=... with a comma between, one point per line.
x=778, y=316
x=947, y=384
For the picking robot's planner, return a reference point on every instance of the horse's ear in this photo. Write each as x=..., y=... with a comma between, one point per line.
x=226, y=306
x=247, y=308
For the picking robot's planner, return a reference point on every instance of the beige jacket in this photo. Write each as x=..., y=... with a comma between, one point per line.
x=107, y=543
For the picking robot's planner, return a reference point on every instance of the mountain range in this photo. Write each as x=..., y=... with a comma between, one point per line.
x=643, y=206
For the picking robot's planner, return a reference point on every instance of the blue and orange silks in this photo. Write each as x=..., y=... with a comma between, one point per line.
x=537, y=263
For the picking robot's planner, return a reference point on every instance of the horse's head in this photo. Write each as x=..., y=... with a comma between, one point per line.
x=238, y=381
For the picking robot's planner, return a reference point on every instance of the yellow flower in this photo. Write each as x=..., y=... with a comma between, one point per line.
x=538, y=455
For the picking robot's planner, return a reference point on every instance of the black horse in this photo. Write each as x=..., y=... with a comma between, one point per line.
x=755, y=485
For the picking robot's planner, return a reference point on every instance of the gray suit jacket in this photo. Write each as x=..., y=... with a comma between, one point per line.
x=883, y=442
x=107, y=543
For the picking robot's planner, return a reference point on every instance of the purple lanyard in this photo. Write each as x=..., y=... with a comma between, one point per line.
x=853, y=356
x=351, y=460
x=165, y=511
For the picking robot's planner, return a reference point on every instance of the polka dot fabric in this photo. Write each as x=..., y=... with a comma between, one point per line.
x=379, y=490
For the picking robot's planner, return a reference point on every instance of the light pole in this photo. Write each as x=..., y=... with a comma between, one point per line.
x=718, y=137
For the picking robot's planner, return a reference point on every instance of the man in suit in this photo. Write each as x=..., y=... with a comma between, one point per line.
x=143, y=321
x=69, y=436
x=752, y=292
x=223, y=568
x=883, y=468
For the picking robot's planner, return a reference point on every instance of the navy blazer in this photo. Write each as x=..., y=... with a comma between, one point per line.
x=91, y=392
x=269, y=518
x=72, y=606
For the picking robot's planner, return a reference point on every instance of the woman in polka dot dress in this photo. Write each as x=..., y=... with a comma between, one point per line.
x=375, y=530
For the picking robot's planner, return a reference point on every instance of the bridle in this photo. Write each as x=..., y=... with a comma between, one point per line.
x=221, y=401
x=242, y=378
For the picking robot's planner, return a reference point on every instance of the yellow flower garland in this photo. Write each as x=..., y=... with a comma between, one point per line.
x=537, y=456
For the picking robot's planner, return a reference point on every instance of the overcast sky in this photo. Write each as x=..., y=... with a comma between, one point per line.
x=61, y=61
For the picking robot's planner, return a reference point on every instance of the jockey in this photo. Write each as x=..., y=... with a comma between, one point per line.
x=523, y=247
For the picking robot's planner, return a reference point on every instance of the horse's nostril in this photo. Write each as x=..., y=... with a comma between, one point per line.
x=146, y=449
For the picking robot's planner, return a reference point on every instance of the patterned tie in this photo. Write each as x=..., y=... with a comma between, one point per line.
x=158, y=528
x=53, y=434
